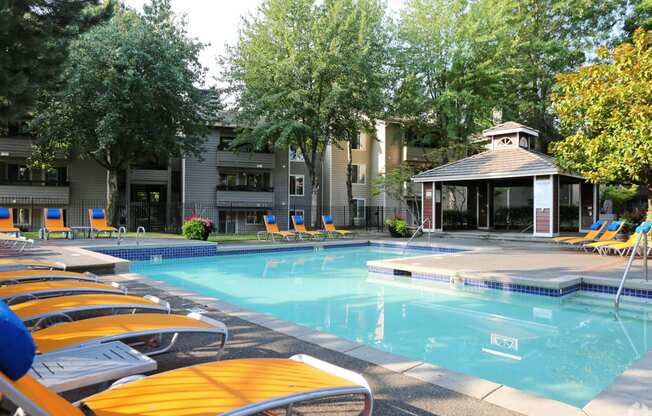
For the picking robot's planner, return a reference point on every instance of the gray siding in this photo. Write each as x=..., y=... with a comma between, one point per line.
x=246, y=160
x=149, y=176
x=200, y=176
x=87, y=190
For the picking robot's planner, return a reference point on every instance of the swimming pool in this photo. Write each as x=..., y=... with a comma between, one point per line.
x=567, y=349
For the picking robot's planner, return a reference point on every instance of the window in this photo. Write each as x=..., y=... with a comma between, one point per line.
x=295, y=154
x=357, y=143
x=296, y=185
x=56, y=176
x=253, y=217
x=22, y=217
x=225, y=142
x=358, y=173
x=259, y=181
x=359, y=211
x=228, y=179
x=17, y=173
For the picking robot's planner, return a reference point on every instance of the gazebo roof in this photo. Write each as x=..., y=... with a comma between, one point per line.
x=508, y=162
x=510, y=127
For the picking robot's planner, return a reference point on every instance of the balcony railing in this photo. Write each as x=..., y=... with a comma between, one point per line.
x=16, y=182
x=245, y=188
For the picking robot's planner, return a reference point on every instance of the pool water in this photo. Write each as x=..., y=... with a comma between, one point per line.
x=567, y=349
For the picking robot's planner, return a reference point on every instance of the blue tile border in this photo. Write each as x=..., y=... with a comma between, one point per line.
x=169, y=252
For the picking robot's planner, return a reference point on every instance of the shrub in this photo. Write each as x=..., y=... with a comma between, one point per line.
x=397, y=226
x=197, y=228
x=631, y=220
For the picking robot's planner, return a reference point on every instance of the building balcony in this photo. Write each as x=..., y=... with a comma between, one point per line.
x=241, y=196
x=246, y=160
x=34, y=192
x=149, y=176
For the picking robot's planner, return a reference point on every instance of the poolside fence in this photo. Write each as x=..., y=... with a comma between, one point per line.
x=165, y=216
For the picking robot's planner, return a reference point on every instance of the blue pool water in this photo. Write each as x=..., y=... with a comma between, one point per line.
x=567, y=349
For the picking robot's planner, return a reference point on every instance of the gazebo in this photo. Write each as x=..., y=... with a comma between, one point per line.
x=507, y=187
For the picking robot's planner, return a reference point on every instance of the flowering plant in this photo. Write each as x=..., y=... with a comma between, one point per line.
x=197, y=228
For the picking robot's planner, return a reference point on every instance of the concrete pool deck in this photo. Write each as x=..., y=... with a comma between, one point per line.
x=402, y=385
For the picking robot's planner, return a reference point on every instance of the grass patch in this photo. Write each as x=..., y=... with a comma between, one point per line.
x=218, y=238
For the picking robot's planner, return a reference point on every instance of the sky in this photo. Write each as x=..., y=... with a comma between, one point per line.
x=216, y=22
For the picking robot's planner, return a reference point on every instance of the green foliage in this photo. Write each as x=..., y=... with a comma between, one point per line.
x=308, y=73
x=631, y=220
x=458, y=60
x=605, y=111
x=619, y=194
x=34, y=38
x=193, y=229
x=129, y=93
x=398, y=226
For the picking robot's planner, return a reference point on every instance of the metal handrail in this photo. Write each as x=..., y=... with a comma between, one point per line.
x=419, y=228
x=140, y=234
x=642, y=236
x=121, y=234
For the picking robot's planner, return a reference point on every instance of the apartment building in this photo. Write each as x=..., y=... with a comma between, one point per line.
x=234, y=189
x=372, y=155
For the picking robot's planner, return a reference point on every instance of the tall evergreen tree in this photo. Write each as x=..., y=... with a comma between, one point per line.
x=34, y=38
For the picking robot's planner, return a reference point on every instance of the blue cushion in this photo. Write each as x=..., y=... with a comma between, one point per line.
x=328, y=219
x=298, y=219
x=17, y=347
x=613, y=226
x=644, y=228
x=4, y=213
x=596, y=225
x=98, y=214
x=53, y=213
x=271, y=219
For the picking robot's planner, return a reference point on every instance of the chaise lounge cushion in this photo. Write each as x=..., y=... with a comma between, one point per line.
x=53, y=213
x=98, y=214
x=328, y=219
x=271, y=219
x=4, y=213
x=17, y=348
x=298, y=219
x=596, y=225
x=613, y=226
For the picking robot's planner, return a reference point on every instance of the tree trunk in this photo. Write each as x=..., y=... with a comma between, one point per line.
x=314, y=203
x=112, y=197
x=349, y=183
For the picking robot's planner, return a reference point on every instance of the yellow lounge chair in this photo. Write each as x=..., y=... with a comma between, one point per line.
x=7, y=222
x=243, y=386
x=596, y=228
x=609, y=234
x=271, y=228
x=53, y=222
x=43, y=311
x=624, y=247
x=123, y=327
x=99, y=224
x=22, y=264
x=329, y=227
x=22, y=276
x=35, y=290
x=300, y=228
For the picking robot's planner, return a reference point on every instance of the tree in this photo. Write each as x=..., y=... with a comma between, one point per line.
x=306, y=74
x=605, y=110
x=34, y=38
x=396, y=184
x=129, y=92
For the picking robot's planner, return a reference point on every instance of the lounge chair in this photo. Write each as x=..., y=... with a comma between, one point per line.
x=23, y=264
x=272, y=231
x=124, y=327
x=595, y=230
x=300, y=229
x=7, y=222
x=42, y=312
x=12, y=241
x=624, y=247
x=99, y=224
x=329, y=227
x=53, y=222
x=242, y=386
x=609, y=234
x=35, y=290
x=22, y=276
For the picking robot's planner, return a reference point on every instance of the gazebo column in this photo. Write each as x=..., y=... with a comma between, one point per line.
x=589, y=211
x=427, y=205
x=546, y=206
x=490, y=205
x=438, y=211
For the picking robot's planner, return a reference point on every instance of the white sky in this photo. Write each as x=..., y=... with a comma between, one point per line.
x=216, y=22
